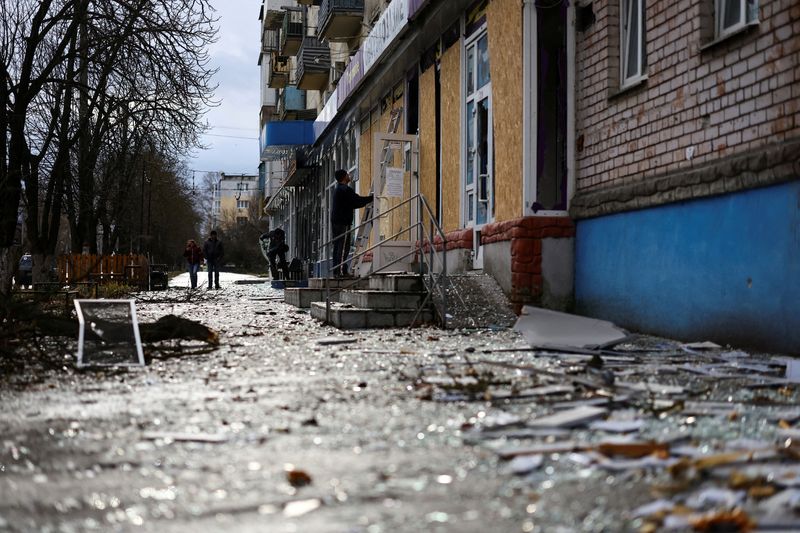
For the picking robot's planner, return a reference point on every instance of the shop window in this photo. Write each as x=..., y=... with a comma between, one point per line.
x=478, y=155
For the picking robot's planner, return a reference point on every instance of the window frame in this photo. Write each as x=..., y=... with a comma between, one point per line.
x=626, y=81
x=748, y=17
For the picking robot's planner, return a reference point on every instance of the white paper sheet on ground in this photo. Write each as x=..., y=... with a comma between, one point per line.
x=551, y=329
x=649, y=509
x=793, y=370
x=781, y=504
x=536, y=449
x=712, y=497
x=657, y=388
x=651, y=461
x=789, y=433
x=617, y=426
x=570, y=418
x=211, y=438
x=705, y=345
x=523, y=464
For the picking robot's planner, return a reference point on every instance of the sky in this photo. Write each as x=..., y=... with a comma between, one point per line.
x=232, y=141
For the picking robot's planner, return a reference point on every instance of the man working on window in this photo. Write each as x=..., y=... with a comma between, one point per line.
x=345, y=202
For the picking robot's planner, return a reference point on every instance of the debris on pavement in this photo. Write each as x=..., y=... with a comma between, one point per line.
x=543, y=328
x=711, y=433
x=328, y=341
x=296, y=477
x=209, y=438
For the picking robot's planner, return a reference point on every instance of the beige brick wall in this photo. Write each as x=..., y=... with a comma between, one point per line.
x=732, y=98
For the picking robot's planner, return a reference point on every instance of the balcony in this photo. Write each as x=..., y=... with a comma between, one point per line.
x=291, y=32
x=279, y=72
x=340, y=20
x=313, y=65
x=270, y=41
x=290, y=102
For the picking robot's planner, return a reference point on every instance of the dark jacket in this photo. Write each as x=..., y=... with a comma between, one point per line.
x=193, y=254
x=213, y=251
x=345, y=202
x=277, y=240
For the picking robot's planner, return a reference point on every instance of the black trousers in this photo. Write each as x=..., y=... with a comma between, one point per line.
x=282, y=264
x=341, y=247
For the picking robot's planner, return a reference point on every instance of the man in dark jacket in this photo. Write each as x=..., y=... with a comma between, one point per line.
x=345, y=202
x=213, y=252
x=276, y=249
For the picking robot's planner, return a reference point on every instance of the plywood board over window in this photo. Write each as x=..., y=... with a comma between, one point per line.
x=504, y=19
x=451, y=137
x=427, y=135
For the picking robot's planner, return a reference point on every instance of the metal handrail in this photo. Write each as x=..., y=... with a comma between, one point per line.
x=421, y=231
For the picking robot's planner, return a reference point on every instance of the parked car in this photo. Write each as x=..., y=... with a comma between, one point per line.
x=24, y=275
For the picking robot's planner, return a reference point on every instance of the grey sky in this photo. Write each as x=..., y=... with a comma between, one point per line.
x=236, y=55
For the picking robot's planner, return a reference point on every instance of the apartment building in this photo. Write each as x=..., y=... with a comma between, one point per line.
x=236, y=200
x=629, y=160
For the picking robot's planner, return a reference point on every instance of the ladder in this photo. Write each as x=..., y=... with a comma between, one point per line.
x=361, y=240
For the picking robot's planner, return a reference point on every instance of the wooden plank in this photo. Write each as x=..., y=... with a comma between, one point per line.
x=504, y=21
x=427, y=135
x=451, y=137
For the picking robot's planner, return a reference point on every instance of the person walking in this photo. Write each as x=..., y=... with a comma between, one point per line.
x=213, y=252
x=194, y=256
x=345, y=202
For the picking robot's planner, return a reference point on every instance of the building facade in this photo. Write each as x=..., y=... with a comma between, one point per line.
x=236, y=200
x=630, y=160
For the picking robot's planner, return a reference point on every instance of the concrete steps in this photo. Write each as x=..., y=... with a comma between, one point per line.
x=317, y=290
x=384, y=300
x=303, y=297
x=345, y=316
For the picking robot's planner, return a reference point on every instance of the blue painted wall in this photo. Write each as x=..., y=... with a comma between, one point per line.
x=724, y=268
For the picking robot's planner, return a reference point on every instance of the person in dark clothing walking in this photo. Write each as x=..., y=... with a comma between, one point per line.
x=276, y=249
x=345, y=202
x=194, y=256
x=214, y=252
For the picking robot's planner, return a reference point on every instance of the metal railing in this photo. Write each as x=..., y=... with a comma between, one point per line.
x=427, y=265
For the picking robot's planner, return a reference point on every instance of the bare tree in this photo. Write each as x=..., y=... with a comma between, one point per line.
x=90, y=87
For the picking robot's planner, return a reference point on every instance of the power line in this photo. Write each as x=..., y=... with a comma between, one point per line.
x=231, y=136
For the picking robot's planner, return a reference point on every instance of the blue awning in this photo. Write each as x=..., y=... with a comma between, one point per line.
x=281, y=138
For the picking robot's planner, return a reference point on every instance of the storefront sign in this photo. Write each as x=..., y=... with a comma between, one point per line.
x=388, y=27
x=352, y=76
x=327, y=115
x=384, y=33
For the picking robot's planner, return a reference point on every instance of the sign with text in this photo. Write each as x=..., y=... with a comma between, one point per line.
x=394, y=182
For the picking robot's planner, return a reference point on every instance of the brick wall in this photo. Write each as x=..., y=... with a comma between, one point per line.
x=734, y=98
x=526, y=234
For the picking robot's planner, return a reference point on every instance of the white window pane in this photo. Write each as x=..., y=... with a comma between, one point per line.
x=483, y=61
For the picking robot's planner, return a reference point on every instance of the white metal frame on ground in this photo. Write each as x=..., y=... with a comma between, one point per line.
x=134, y=324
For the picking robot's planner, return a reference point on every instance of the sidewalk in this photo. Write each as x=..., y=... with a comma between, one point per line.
x=295, y=426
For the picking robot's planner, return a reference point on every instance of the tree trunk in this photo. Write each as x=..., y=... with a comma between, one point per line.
x=41, y=267
x=9, y=260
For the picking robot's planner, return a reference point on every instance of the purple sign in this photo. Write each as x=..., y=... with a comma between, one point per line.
x=352, y=76
x=413, y=7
